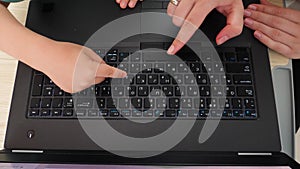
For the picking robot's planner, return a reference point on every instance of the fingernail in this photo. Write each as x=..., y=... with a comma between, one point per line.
x=248, y=21
x=131, y=4
x=123, y=4
x=258, y=35
x=222, y=40
x=171, y=50
x=247, y=12
x=118, y=1
x=252, y=7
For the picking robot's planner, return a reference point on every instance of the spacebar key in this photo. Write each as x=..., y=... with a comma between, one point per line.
x=159, y=57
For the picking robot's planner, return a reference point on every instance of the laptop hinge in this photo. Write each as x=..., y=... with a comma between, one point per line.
x=254, y=154
x=28, y=151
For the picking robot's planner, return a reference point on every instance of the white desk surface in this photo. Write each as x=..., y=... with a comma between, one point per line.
x=8, y=67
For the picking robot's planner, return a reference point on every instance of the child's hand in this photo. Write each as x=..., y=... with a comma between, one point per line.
x=74, y=68
x=276, y=27
x=125, y=3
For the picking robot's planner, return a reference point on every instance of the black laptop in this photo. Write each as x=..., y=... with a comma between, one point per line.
x=44, y=119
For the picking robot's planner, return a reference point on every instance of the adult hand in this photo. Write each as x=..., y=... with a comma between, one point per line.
x=74, y=67
x=276, y=27
x=125, y=3
x=189, y=15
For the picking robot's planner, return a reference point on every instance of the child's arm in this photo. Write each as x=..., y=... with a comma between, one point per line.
x=72, y=67
x=276, y=27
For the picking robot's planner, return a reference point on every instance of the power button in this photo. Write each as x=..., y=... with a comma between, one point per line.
x=30, y=134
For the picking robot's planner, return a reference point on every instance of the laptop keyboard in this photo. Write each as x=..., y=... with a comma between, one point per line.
x=143, y=88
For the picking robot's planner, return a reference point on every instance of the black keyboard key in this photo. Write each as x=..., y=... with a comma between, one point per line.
x=100, y=102
x=149, y=103
x=230, y=91
x=124, y=103
x=201, y=79
x=159, y=113
x=80, y=113
x=33, y=113
x=57, y=103
x=177, y=79
x=189, y=79
x=161, y=103
x=105, y=91
x=227, y=113
x=171, y=67
x=143, y=90
x=174, y=103
x=126, y=113
x=215, y=113
x=131, y=91
x=118, y=90
x=48, y=91
x=140, y=79
x=187, y=103
x=137, y=102
x=112, y=58
x=137, y=113
x=165, y=79
x=203, y=113
x=192, y=91
x=155, y=91
x=159, y=68
x=204, y=90
x=168, y=90
x=68, y=103
x=243, y=57
x=250, y=113
x=123, y=55
x=238, y=68
x=45, y=112
x=48, y=81
x=212, y=103
x=135, y=67
x=182, y=68
x=111, y=103
x=180, y=91
x=193, y=113
x=92, y=113
x=58, y=91
x=182, y=113
x=245, y=91
x=37, y=85
x=103, y=112
x=148, y=113
x=114, y=113
x=214, y=78
x=217, y=91
x=238, y=113
x=171, y=113
x=230, y=57
x=225, y=103
x=153, y=79
x=136, y=57
x=68, y=113
x=56, y=113
x=147, y=68
x=35, y=103
x=249, y=103
x=195, y=67
x=84, y=103
x=242, y=79
x=237, y=103
x=46, y=103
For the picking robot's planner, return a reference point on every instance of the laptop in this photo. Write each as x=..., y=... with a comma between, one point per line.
x=44, y=119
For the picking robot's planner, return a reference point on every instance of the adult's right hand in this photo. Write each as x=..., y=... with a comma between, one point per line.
x=189, y=15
